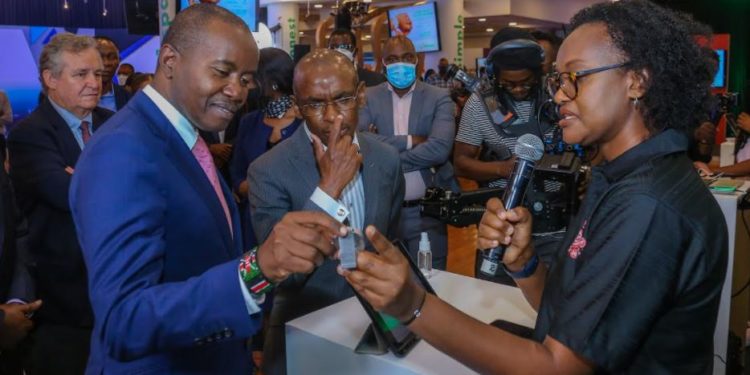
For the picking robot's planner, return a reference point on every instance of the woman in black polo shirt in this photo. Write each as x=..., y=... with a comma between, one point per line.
x=635, y=287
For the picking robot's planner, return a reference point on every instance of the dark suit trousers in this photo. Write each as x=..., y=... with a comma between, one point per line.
x=57, y=349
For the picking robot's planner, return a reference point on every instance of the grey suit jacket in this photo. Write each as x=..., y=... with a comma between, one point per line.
x=432, y=116
x=284, y=178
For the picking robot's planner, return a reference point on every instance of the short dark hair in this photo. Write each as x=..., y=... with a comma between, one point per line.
x=128, y=64
x=183, y=33
x=275, y=67
x=347, y=32
x=103, y=38
x=662, y=42
x=540, y=35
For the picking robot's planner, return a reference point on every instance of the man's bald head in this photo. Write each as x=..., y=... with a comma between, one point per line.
x=398, y=42
x=183, y=34
x=322, y=62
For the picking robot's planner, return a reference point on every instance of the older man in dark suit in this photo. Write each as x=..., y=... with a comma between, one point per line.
x=43, y=150
x=325, y=166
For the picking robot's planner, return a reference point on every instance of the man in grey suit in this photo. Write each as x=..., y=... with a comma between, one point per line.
x=325, y=166
x=417, y=119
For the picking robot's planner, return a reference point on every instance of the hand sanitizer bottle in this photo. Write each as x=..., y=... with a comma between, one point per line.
x=424, y=256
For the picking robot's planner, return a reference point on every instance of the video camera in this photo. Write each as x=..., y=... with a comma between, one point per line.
x=552, y=197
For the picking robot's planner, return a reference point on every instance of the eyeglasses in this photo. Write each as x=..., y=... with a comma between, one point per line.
x=568, y=81
x=317, y=109
x=510, y=86
x=348, y=47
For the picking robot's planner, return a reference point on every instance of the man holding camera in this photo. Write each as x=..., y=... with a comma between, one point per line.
x=517, y=75
x=325, y=166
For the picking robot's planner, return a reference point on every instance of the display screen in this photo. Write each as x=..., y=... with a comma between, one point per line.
x=245, y=9
x=721, y=72
x=418, y=23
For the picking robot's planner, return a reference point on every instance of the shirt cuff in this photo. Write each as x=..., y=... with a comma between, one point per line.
x=332, y=207
x=252, y=304
x=408, y=142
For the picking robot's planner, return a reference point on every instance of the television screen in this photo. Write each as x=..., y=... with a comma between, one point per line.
x=721, y=73
x=245, y=9
x=418, y=23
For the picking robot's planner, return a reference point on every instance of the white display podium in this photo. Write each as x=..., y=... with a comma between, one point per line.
x=323, y=342
x=738, y=249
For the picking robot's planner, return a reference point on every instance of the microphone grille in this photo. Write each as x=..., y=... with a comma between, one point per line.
x=529, y=147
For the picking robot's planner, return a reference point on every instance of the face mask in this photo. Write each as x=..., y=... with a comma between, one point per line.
x=349, y=54
x=401, y=75
x=277, y=108
x=121, y=79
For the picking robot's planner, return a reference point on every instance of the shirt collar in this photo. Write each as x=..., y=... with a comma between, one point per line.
x=184, y=128
x=355, y=140
x=72, y=120
x=411, y=90
x=667, y=142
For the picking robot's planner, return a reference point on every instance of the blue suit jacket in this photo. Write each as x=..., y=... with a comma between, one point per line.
x=161, y=260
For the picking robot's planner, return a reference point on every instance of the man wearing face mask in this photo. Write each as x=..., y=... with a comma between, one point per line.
x=343, y=40
x=416, y=119
x=123, y=73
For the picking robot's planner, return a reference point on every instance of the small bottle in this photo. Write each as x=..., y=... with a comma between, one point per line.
x=424, y=256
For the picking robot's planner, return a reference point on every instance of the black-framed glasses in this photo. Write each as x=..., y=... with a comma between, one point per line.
x=317, y=109
x=568, y=81
x=510, y=86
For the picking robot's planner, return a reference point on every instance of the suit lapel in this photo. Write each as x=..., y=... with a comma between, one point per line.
x=372, y=180
x=416, y=108
x=185, y=162
x=303, y=159
x=386, y=127
x=68, y=145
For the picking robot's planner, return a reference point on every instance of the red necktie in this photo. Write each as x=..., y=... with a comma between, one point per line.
x=85, y=131
x=201, y=152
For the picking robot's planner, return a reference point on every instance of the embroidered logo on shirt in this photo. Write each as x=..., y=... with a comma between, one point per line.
x=578, y=243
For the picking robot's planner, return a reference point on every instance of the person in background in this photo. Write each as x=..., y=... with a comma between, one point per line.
x=550, y=43
x=43, y=152
x=263, y=129
x=441, y=79
x=6, y=119
x=418, y=120
x=343, y=40
x=114, y=96
x=171, y=289
x=124, y=72
x=636, y=285
x=138, y=81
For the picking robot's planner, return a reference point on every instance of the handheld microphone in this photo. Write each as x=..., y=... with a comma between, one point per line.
x=529, y=149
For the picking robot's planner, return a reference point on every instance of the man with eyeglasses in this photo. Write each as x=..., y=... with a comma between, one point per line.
x=417, y=119
x=326, y=166
x=519, y=87
x=484, y=151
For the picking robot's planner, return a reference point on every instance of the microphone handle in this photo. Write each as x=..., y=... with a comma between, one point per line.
x=512, y=198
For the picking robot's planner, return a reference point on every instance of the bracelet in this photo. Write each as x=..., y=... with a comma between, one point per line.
x=251, y=275
x=528, y=269
x=417, y=311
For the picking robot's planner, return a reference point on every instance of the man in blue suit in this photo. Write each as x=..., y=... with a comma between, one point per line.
x=171, y=290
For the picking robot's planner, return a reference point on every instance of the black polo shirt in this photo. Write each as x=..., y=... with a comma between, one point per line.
x=635, y=287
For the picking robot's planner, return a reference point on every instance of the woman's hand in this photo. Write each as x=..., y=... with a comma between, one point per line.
x=384, y=279
x=511, y=229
